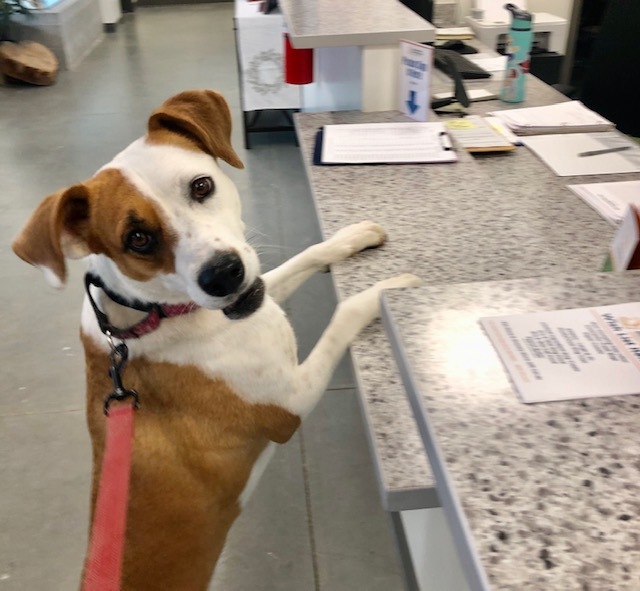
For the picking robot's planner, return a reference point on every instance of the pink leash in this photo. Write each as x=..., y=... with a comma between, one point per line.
x=106, y=549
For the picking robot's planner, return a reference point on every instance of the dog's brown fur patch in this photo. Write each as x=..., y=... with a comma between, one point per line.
x=195, y=444
x=94, y=217
x=115, y=208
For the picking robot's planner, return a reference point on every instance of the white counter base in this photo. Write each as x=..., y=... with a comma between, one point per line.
x=353, y=79
x=434, y=559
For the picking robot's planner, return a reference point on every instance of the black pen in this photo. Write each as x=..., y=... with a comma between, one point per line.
x=604, y=151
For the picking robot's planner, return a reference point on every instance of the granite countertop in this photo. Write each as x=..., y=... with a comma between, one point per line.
x=539, y=496
x=488, y=217
x=341, y=23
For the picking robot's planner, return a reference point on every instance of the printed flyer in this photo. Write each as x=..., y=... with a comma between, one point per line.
x=569, y=354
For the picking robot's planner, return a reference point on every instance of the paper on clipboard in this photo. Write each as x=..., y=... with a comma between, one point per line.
x=386, y=143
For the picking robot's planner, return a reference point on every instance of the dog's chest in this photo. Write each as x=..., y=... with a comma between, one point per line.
x=186, y=415
x=256, y=357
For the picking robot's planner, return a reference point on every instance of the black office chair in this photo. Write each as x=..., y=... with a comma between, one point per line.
x=611, y=77
x=423, y=8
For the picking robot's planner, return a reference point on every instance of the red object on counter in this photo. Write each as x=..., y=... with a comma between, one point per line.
x=298, y=64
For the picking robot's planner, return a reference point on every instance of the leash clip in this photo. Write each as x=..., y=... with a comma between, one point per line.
x=119, y=356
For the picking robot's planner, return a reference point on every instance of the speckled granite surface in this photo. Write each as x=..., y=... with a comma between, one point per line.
x=541, y=496
x=341, y=23
x=489, y=217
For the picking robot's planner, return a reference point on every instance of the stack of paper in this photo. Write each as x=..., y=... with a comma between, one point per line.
x=610, y=200
x=474, y=134
x=568, y=117
x=454, y=33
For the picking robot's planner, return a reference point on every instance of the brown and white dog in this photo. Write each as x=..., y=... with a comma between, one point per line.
x=219, y=380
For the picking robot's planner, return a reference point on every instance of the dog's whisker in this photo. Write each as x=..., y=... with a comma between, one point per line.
x=252, y=232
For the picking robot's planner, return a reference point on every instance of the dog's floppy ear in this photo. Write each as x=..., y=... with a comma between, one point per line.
x=202, y=116
x=56, y=229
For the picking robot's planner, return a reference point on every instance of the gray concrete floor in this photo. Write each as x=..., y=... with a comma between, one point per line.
x=315, y=521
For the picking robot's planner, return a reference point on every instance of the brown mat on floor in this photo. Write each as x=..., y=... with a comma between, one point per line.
x=29, y=62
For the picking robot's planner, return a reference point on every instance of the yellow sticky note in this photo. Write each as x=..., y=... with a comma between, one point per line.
x=460, y=124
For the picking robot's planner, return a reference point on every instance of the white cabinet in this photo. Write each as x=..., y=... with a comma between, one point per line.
x=260, y=48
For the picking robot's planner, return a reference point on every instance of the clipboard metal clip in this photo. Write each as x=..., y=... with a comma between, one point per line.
x=445, y=141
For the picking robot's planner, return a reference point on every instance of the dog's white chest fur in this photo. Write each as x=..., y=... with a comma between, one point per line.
x=256, y=357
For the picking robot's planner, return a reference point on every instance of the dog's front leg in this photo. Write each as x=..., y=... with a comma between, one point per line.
x=282, y=281
x=350, y=317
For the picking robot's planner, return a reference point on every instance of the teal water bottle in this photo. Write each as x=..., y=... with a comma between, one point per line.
x=519, y=41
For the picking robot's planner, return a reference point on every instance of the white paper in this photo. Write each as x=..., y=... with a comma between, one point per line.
x=610, y=200
x=569, y=354
x=625, y=242
x=386, y=143
x=488, y=62
x=561, y=153
x=473, y=94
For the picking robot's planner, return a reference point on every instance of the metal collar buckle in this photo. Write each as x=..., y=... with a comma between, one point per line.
x=118, y=356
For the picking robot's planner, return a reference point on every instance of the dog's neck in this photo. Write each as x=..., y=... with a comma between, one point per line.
x=118, y=298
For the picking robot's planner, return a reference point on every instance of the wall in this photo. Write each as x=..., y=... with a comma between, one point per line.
x=560, y=8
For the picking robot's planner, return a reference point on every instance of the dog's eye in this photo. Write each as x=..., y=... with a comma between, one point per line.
x=140, y=242
x=201, y=188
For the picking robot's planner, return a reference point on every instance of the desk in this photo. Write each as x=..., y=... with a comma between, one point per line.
x=539, y=496
x=356, y=58
x=490, y=217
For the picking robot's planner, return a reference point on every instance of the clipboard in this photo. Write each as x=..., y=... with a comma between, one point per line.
x=383, y=143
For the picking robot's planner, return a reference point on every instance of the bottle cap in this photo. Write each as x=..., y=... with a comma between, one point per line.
x=518, y=13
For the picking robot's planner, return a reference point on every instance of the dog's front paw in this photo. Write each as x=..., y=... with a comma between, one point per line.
x=404, y=280
x=360, y=236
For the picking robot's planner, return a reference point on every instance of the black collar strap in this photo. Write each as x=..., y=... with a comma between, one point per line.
x=155, y=312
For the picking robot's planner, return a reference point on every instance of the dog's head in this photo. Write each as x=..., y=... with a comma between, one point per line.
x=161, y=221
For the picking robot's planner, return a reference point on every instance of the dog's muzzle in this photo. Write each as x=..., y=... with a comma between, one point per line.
x=248, y=302
x=222, y=277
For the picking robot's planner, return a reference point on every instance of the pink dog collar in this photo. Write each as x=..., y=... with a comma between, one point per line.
x=155, y=312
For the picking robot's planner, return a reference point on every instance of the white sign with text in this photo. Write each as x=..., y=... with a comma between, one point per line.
x=416, y=64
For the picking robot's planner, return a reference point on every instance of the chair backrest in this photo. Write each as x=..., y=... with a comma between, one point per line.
x=613, y=72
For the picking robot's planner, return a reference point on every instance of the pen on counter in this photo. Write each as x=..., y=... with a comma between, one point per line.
x=604, y=151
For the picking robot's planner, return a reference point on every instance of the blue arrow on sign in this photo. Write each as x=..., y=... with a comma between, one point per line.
x=411, y=103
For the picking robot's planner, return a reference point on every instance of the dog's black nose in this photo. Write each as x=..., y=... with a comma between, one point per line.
x=222, y=275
